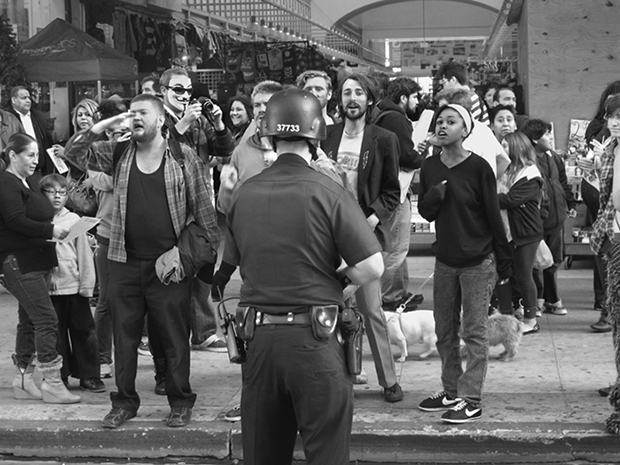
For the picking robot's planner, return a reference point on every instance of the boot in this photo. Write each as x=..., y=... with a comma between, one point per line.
x=24, y=386
x=160, y=376
x=53, y=389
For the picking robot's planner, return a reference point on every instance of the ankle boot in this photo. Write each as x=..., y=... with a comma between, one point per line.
x=24, y=386
x=53, y=389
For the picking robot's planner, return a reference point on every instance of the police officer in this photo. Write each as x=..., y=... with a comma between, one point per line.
x=288, y=228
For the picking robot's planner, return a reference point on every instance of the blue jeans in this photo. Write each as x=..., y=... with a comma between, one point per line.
x=470, y=288
x=202, y=312
x=37, y=327
x=103, y=322
x=396, y=275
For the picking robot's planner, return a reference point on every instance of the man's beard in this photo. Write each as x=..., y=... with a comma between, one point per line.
x=360, y=114
x=147, y=136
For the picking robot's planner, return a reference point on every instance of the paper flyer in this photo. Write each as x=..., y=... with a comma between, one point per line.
x=84, y=224
x=420, y=133
x=60, y=164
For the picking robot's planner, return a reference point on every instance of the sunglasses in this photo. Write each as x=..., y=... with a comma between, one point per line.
x=181, y=90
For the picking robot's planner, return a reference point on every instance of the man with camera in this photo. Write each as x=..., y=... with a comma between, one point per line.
x=198, y=124
x=295, y=377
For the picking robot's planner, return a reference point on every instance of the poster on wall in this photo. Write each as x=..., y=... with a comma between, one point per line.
x=434, y=52
x=577, y=137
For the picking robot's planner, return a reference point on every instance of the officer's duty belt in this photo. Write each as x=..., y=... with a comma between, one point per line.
x=283, y=319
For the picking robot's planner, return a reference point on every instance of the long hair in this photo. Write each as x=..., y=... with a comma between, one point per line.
x=521, y=153
x=369, y=89
x=90, y=106
x=598, y=123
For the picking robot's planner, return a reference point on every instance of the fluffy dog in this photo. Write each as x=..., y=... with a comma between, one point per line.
x=505, y=330
x=410, y=328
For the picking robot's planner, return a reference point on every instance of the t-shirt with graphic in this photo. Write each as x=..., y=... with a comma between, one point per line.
x=349, y=158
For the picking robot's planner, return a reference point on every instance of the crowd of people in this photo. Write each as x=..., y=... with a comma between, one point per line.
x=317, y=207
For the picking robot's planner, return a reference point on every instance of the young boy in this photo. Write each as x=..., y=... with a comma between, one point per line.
x=72, y=283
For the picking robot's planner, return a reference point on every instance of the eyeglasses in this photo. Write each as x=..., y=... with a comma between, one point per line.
x=181, y=90
x=61, y=192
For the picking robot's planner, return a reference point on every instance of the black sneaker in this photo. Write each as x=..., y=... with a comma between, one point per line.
x=462, y=412
x=393, y=394
x=233, y=414
x=92, y=385
x=438, y=401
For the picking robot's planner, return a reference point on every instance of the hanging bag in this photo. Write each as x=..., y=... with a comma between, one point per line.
x=544, y=257
x=82, y=200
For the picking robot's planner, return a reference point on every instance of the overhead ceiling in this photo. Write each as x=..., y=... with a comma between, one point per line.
x=402, y=20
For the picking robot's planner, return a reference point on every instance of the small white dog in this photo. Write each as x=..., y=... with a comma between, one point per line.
x=410, y=328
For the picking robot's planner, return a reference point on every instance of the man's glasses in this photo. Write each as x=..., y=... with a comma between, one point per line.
x=61, y=192
x=181, y=90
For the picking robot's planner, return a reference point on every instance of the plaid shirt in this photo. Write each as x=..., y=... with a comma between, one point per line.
x=187, y=191
x=603, y=227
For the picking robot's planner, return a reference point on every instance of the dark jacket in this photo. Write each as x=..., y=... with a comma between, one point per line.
x=44, y=140
x=556, y=188
x=393, y=118
x=521, y=203
x=377, y=183
x=9, y=125
x=203, y=138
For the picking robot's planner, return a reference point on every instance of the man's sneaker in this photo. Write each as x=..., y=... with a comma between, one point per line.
x=212, y=344
x=393, y=394
x=362, y=378
x=556, y=308
x=106, y=370
x=462, y=412
x=601, y=326
x=143, y=348
x=234, y=414
x=438, y=401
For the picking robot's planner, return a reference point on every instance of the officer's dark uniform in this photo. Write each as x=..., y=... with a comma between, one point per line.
x=287, y=229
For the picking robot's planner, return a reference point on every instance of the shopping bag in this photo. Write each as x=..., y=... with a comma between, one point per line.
x=544, y=258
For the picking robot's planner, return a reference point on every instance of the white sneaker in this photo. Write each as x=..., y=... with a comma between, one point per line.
x=556, y=308
x=106, y=370
x=362, y=378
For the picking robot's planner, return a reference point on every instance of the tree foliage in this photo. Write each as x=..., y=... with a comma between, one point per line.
x=11, y=72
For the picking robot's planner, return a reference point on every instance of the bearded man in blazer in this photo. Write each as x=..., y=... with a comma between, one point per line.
x=368, y=155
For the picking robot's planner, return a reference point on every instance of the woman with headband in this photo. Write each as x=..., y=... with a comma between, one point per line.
x=458, y=191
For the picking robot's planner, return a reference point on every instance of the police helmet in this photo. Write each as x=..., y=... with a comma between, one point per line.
x=293, y=114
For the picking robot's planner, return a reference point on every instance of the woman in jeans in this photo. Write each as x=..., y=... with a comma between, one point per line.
x=603, y=243
x=523, y=183
x=27, y=258
x=458, y=191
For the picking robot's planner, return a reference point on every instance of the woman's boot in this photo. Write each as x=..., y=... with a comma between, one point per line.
x=53, y=389
x=24, y=386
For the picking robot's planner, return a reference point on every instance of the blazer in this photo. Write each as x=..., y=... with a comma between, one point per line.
x=44, y=139
x=377, y=182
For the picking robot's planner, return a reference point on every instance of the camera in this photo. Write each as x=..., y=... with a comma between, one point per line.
x=206, y=105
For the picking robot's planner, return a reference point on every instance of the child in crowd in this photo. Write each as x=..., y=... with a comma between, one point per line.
x=72, y=283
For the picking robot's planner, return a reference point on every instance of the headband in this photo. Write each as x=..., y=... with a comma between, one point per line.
x=466, y=115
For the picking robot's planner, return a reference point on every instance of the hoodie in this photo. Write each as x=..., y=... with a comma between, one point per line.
x=75, y=273
x=393, y=118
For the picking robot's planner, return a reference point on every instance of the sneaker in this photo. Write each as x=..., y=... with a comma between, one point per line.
x=117, y=417
x=441, y=400
x=92, y=385
x=179, y=416
x=462, y=412
x=212, y=344
x=604, y=391
x=233, y=414
x=393, y=394
x=556, y=308
x=106, y=370
x=143, y=348
x=408, y=304
x=601, y=326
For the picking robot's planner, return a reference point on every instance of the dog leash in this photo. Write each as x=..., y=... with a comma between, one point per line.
x=401, y=308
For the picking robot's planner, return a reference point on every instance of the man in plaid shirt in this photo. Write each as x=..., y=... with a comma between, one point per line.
x=153, y=196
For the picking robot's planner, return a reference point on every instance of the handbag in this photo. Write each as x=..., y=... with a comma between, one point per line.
x=81, y=200
x=544, y=258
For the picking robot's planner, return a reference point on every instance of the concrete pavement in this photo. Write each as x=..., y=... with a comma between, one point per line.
x=541, y=406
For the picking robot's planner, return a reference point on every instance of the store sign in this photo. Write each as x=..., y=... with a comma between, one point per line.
x=435, y=52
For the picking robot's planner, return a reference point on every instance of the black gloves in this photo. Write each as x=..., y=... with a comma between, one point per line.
x=221, y=279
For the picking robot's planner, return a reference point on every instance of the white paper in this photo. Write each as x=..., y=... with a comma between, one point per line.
x=83, y=225
x=420, y=133
x=60, y=164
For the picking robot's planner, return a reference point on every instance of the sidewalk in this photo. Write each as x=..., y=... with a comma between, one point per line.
x=541, y=406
